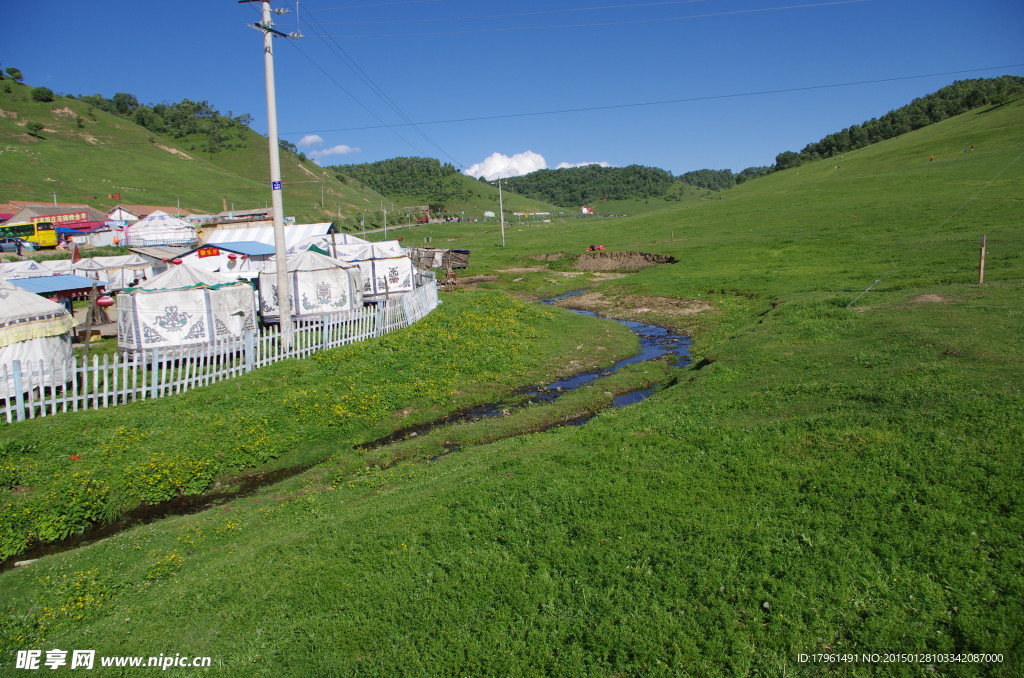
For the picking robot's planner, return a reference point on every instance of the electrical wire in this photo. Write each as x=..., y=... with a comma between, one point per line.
x=516, y=15
x=664, y=102
x=603, y=24
x=354, y=66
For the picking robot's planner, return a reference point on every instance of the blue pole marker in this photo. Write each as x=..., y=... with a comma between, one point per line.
x=275, y=185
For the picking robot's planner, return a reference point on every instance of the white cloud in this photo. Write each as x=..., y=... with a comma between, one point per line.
x=499, y=166
x=340, y=149
x=311, y=140
x=566, y=165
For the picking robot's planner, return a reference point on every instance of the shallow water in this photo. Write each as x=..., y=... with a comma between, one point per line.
x=655, y=342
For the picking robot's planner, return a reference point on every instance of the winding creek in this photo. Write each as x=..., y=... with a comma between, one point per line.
x=655, y=342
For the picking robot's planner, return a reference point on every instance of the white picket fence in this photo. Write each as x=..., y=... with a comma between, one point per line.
x=145, y=375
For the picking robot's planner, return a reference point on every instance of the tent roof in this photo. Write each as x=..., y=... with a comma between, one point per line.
x=184, y=277
x=312, y=261
x=160, y=219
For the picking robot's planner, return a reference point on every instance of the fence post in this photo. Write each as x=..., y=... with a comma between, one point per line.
x=19, y=395
x=154, y=374
x=250, y=350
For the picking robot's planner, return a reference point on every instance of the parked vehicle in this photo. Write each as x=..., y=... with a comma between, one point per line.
x=11, y=245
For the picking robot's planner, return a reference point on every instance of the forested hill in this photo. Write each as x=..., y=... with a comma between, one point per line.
x=424, y=178
x=960, y=97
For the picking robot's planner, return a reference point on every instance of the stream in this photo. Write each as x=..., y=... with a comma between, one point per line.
x=655, y=342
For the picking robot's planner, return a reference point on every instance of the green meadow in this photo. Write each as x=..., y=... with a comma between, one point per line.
x=837, y=474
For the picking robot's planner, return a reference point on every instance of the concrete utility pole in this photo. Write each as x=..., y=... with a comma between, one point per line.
x=280, y=248
x=501, y=211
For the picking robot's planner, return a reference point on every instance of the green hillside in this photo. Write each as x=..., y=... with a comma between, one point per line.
x=836, y=475
x=84, y=154
x=447, y=191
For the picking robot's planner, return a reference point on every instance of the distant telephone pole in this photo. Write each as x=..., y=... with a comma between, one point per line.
x=280, y=248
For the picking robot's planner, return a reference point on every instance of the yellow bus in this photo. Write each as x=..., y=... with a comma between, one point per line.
x=41, y=233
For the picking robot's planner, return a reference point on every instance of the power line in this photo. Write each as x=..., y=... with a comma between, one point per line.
x=606, y=23
x=356, y=99
x=516, y=15
x=354, y=66
x=663, y=102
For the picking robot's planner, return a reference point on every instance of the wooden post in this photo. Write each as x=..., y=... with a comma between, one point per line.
x=981, y=263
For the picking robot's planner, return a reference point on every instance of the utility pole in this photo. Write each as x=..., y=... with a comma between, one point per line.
x=385, y=219
x=501, y=211
x=280, y=248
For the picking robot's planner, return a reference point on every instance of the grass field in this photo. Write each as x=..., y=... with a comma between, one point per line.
x=833, y=474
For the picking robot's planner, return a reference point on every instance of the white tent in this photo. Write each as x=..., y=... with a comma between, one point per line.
x=26, y=268
x=33, y=329
x=182, y=309
x=386, y=267
x=160, y=228
x=319, y=285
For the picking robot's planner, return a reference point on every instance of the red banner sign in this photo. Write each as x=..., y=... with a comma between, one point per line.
x=208, y=252
x=58, y=219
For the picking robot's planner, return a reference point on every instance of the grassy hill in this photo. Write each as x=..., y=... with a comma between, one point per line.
x=84, y=155
x=832, y=475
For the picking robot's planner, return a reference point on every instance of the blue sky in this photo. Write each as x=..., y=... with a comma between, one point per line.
x=531, y=84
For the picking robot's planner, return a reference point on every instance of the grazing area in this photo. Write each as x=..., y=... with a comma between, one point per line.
x=838, y=471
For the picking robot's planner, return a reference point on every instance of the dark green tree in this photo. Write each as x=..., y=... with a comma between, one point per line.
x=34, y=127
x=42, y=94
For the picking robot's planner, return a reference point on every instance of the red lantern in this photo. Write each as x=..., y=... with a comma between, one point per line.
x=232, y=256
x=105, y=301
x=245, y=256
x=176, y=260
x=166, y=260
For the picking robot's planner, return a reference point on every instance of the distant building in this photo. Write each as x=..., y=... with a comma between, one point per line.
x=59, y=215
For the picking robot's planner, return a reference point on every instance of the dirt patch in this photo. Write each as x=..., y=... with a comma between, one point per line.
x=630, y=306
x=62, y=112
x=620, y=261
x=91, y=139
x=526, y=269
x=548, y=257
x=8, y=114
x=471, y=281
x=175, y=151
x=929, y=299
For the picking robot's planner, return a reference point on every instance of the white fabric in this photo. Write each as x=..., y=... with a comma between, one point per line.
x=184, y=308
x=55, y=352
x=383, y=278
x=23, y=269
x=294, y=235
x=319, y=284
x=25, y=316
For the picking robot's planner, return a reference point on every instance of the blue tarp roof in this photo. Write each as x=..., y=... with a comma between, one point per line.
x=251, y=247
x=50, y=284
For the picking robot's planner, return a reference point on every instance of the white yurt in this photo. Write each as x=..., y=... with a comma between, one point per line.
x=161, y=228
x=318, y=285
x=33, y=329
x=183, y=309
